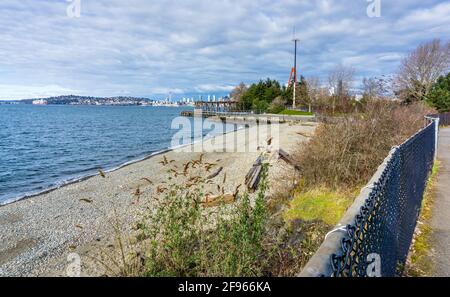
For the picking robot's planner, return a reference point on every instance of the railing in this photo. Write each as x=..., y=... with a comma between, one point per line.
x=374, y=237
x=251, y=117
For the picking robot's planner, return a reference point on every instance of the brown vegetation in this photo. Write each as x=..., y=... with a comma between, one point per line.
x=347, y=153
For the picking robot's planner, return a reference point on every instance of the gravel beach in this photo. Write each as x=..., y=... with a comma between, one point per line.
x=37, y=234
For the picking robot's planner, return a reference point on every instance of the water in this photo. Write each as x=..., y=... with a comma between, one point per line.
x=43, y=147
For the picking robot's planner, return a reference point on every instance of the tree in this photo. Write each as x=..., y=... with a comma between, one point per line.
x=340, y=80
x=376, y=87
x=420, y=69
x=314, y=89
x=238, y=92
x=259, y=96
x=439, y=95
x=277, y=105
x=302, y=94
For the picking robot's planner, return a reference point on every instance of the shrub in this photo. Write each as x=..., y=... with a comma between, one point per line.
x=184, y=239
x=179, y=237
x=277, y=105
x=347, y=153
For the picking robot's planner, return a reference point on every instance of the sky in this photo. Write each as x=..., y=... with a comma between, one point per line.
x=190, y=47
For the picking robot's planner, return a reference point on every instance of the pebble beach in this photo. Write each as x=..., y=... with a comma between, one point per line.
x=38, y=233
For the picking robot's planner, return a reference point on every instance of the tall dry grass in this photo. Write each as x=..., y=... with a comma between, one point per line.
x=346, y=154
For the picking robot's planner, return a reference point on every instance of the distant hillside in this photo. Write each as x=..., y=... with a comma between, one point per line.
x=87, y=100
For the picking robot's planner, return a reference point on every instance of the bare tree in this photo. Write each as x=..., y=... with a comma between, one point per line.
x=340, y=80
x=238, y=91
x=421, y=68
x=377, y=87
x=370, y=87
x=314, y=88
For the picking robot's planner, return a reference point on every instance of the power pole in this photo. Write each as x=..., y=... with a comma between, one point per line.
x=295, y=40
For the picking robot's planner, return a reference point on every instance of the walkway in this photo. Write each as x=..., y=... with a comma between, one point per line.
x=441, y=210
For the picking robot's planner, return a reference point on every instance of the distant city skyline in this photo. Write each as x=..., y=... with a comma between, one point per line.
x=178, y=97
x=149, y=49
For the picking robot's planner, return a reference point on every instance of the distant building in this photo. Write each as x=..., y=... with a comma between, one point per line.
x=39, y=102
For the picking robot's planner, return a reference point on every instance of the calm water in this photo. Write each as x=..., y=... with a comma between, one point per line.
x=46, y=146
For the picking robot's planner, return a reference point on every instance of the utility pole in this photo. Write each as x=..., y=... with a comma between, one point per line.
x=295, y=40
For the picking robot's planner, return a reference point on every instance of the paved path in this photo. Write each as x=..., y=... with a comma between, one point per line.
x=441, y=211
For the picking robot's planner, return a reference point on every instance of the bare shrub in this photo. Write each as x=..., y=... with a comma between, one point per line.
x=347, y=153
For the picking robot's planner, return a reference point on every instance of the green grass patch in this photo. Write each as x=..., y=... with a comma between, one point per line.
x=296, y=112
x=322, y=204
x=419, y=263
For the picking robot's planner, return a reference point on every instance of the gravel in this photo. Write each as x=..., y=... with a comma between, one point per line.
x=39, y=233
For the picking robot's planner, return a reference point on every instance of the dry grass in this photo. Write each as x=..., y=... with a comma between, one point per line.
x=287, y=248
x=336, y=162
x=346, y=154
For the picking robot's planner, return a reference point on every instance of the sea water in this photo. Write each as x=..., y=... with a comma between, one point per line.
x=43, y=147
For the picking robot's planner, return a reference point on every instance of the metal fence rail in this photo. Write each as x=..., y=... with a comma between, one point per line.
x=374, y=237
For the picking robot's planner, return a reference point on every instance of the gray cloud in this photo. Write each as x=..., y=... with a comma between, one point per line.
x=146, y=48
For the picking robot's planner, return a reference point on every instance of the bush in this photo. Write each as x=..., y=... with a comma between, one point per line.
x=277, y=105
x=347, y=153
x=184, y=239
x=181, y=238
x=439, y=96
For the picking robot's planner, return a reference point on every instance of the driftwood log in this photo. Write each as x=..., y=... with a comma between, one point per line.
x=288, y=159
x=215, y=173
x=253, y=176
x=212, y=201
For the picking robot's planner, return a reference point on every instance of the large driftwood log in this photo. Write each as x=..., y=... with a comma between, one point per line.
x=253, y=176
x=288, y=159
x=215, y=173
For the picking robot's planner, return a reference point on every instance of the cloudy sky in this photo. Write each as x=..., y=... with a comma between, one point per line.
x=153, y=47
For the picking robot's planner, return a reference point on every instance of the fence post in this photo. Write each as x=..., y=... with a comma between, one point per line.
x=437, y=137
x=436, y=121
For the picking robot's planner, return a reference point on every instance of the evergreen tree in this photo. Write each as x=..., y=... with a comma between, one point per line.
x=439, y=96
x=259, y=96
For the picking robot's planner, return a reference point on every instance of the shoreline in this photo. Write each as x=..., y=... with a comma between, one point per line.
x=146, y=156
x=39, y=233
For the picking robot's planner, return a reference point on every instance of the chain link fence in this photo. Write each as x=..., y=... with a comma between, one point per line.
x=374, y=237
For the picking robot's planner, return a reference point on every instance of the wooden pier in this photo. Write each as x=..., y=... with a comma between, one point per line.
x=217, y=106
x=248, y=117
